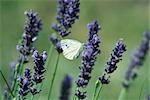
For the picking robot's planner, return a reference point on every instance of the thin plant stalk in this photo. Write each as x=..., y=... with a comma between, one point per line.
x=98, y=88
x=6, y=83
x=53, y=77
x=32, y=97
x=74, y=97
x=17, y=72
x=122, y=94
x=97, y=85
x=15, y=77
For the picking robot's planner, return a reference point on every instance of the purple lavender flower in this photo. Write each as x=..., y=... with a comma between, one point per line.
x=104, y=78
x=80, y=95
x=56, y=42
x=39, y=61
x=115, y=57
x=25, y=84
x=88, y=57
x=67, y=13
x=33, y=90
x=111, y=64
x=65, y=88
x=137, y=59
x=32, y=27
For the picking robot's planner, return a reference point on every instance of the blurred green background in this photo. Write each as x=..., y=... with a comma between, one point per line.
x=126, y=19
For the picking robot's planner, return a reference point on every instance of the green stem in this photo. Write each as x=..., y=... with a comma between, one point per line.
x=122, y=94
x=98, y=90
x=7, y=83
x=32, y=97
x=15, y=77
x=74, y=97
x=19, y=67
x=53, y=77
x=97, y=85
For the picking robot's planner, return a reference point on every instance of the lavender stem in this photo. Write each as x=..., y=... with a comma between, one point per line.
x=97, y=84
x=6, y=83
x=98, y=90
x=18, y=71
x=53, y=77
x=122, y=94
x=32, y=97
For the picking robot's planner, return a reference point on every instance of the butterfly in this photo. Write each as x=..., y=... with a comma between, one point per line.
x=71, y=48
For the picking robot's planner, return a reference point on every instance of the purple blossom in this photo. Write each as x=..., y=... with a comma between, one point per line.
x=33, y=90
x=111, y=64
x=115, y=57
x=80, y=95
x=25, y=83
x=39, y=61
x=104, y=78
x=65, y=88
x=137, y=59
x=67, y=13
x=89, y=56
x=32, y=27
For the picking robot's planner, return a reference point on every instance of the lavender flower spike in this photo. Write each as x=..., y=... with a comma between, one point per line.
x=25, y=84
x=67, y=13
x=39, y=61
x=138, y=58
x=89, y=56
x=32, y=27
x=111, y=64
x=115, y=57
x=65, y=88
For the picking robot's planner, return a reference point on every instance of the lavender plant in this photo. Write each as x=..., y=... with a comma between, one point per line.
x=67, y=13
x=89, y=56
x=31, y=82
x=31, y=28
x=28, y=83
x=137, y=60
x=110, y=67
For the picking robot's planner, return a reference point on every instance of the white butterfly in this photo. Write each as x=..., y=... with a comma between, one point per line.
x=71, y=48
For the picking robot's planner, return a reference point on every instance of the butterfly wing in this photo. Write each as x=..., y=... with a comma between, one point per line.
x=70, y=48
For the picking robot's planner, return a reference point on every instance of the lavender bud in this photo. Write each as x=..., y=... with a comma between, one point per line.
x=25, y=83
x=80, y=95
x=65, y=88
x=33, y=23
x=104, y=79
x=111, y=64
x=34, y=91
x=39, y=61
